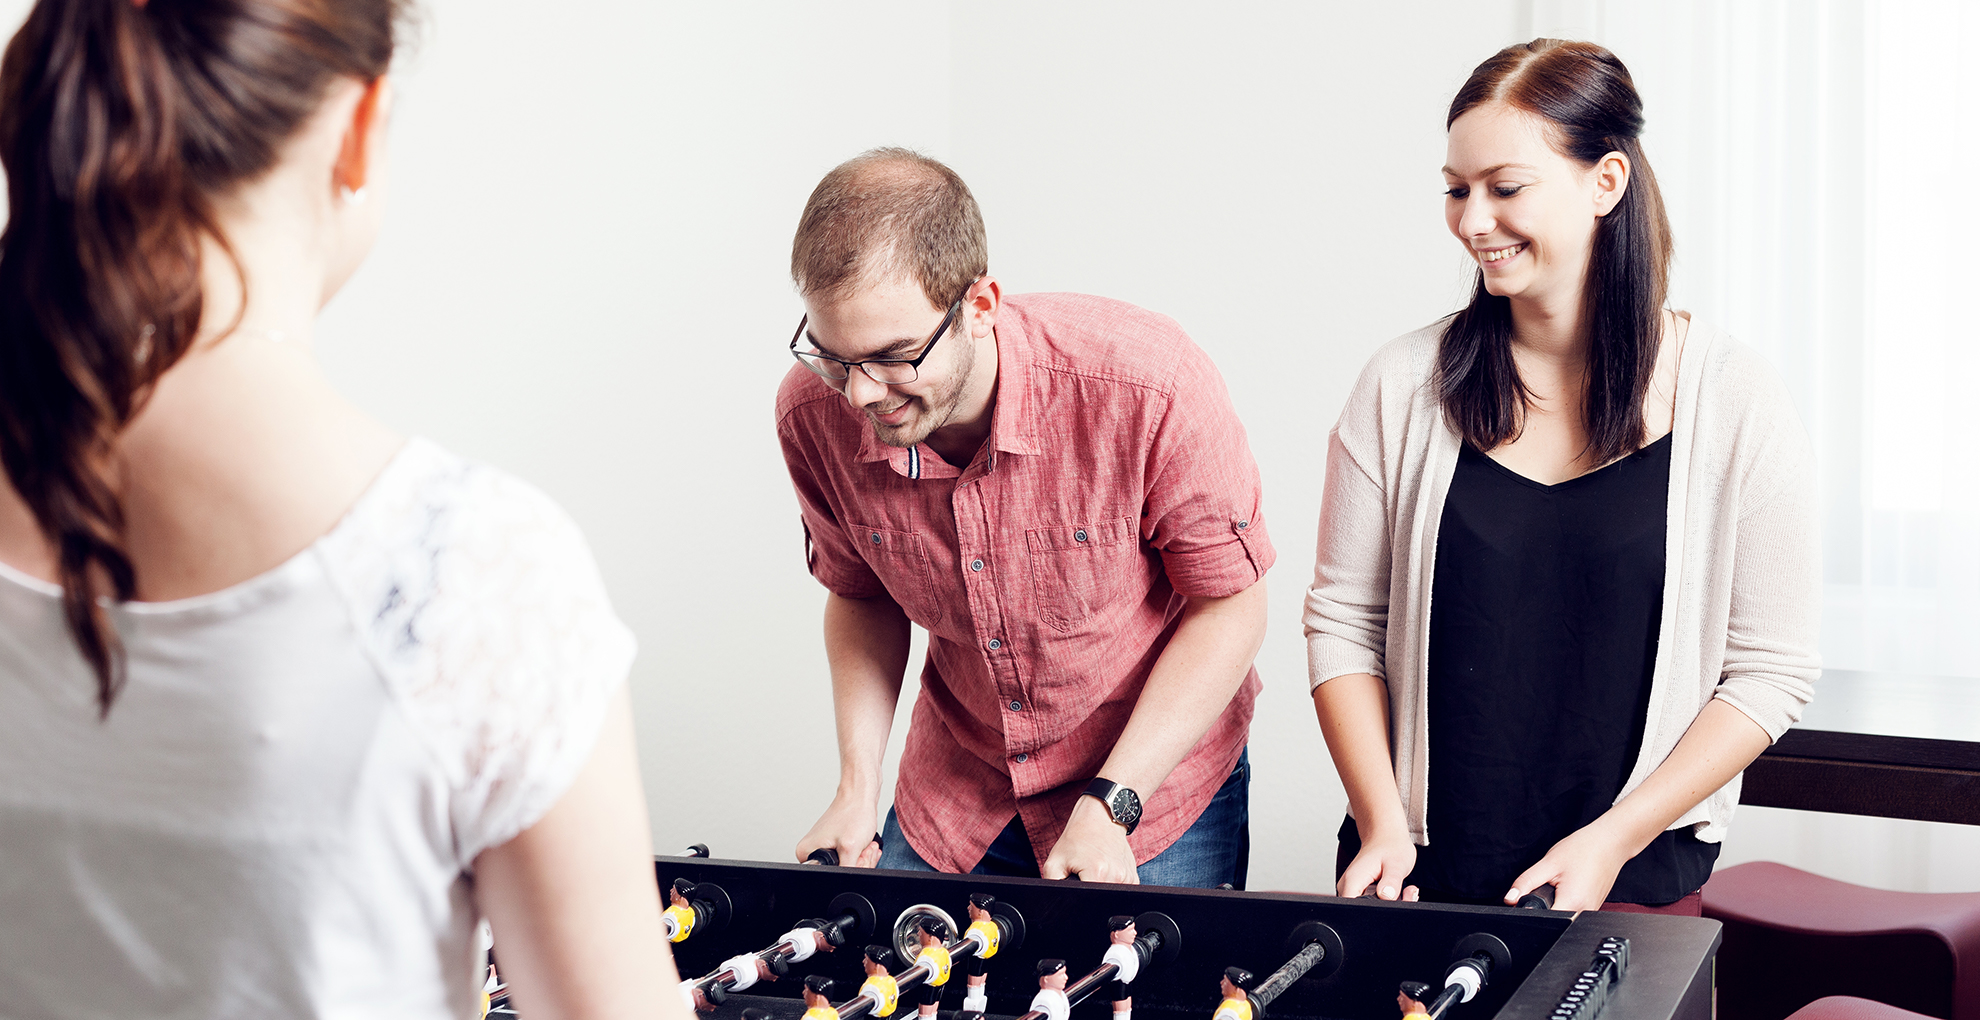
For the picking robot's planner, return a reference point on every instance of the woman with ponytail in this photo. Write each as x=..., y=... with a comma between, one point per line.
x=1567, y=583
x=287, y=702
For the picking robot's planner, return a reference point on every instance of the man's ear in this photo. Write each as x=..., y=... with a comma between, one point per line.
x=363, y=134
x=1611, y=182
x=982, y=304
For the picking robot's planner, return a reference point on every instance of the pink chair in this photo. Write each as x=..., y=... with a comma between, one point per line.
x=1792, y=938
x=1849, y=1007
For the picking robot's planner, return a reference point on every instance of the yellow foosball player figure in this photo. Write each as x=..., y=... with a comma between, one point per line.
x=1236, y=1004
x=677, y=921
x=818, y=998
x=935, y=956
x=983, y=931
x=880, y=986
x=1410, y=998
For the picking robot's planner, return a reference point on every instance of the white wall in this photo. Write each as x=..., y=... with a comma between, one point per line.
x=583, y=280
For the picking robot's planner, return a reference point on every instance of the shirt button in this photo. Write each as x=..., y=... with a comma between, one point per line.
x=976, y=564
x=996, y=643
x=1020, y=758
x=1017, y=706
x=876, y=538
x=1080, y=535
x=1243, y=525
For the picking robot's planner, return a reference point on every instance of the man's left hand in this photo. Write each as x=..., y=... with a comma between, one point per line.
x=1094, y=847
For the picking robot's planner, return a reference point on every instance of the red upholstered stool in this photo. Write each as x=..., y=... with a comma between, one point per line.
x=1848, y=1007
x=1792, y=937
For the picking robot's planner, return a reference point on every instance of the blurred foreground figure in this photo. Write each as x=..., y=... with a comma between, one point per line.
x=287, y=702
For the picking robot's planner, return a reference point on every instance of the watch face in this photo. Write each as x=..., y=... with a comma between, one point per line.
x=1126, y=807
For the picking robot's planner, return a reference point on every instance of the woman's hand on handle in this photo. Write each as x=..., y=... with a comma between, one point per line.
x=1354, y=718
x=1381, y=867
x=1582, y=868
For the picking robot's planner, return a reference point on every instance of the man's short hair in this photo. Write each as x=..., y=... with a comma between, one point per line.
x=886, y=214
x=1048, y=966
x=818, y=984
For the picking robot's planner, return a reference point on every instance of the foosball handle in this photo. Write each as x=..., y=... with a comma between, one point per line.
x=830, y=857
x=1541, y=898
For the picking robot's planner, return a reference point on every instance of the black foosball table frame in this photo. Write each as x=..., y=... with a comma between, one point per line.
x=1546, y=974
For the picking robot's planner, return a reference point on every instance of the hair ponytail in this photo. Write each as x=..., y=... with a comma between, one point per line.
x=119, y=126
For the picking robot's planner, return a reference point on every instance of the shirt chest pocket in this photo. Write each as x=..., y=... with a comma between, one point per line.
x=898, y=559
x=1077, y=569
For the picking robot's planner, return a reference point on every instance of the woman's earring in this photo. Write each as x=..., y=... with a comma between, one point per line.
x=350, y=197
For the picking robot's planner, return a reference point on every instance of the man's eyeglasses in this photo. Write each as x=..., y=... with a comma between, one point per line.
x=889, y=371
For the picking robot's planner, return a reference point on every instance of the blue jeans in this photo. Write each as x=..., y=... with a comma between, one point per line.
x=1214, y=851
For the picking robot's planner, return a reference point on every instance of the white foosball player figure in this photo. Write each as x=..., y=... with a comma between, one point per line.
x=1051, y=998
x=1127, y=963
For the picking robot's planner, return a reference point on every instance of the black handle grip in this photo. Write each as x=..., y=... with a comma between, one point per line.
x=1539, y=899
x=829, y=857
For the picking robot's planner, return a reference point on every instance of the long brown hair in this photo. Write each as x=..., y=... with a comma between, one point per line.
x=1591, y=104
x=121, y=124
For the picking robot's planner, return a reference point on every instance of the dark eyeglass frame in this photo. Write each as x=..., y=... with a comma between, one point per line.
x=817, y=362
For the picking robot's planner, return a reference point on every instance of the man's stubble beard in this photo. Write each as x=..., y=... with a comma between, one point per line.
x=941, y=406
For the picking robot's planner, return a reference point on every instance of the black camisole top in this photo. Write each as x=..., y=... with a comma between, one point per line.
x=1543, y=634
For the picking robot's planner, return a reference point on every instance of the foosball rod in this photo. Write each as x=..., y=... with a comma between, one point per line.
x=1283, y=978
x=1474, y=959
x=965, y=947
x=1155, y=932
x=1319, y=946
x=850, y=912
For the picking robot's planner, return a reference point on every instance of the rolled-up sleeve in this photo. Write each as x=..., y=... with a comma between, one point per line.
x=1347, y=608
x=1202, y=509
x=1774, y=623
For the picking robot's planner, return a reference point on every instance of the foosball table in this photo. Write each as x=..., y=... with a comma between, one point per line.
x=758, y=941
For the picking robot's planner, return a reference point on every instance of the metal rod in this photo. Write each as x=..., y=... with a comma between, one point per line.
x=784, y=949
x=1147, y=944
x=909, y=979
x=1283, y=978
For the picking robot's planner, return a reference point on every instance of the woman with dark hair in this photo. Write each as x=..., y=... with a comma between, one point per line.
x=1567, y=583
x=287, y=703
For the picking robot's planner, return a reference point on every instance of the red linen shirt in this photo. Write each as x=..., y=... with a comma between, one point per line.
x=1050, y=572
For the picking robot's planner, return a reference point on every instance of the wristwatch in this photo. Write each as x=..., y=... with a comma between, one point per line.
x=1124, y=804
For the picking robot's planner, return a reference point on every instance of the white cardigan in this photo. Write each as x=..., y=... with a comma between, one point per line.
x=1742, y=574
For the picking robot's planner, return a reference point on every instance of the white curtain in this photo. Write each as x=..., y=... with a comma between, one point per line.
x=1814, y=155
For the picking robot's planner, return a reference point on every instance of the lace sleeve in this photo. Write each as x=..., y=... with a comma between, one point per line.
x=480, y=602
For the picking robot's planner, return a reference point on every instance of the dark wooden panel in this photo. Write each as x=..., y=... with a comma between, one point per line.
x=1847, y=787
x=1878, y=749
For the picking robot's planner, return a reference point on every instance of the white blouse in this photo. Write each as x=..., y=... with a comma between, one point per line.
x=281, y=813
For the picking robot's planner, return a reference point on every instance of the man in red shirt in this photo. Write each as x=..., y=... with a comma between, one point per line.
x=1056, y=488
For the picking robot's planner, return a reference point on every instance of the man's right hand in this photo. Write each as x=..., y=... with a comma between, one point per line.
x=847, y=827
